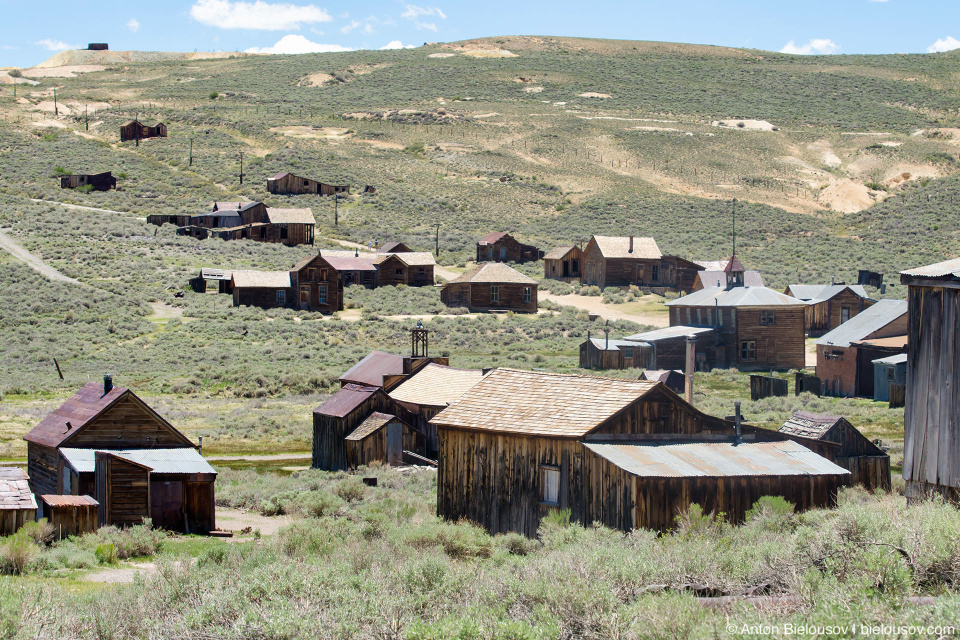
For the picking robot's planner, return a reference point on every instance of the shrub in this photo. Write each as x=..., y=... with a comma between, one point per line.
x=350, y=489
x=133, y=542
x=16, y=553
x=106, y=553
x=41, y=531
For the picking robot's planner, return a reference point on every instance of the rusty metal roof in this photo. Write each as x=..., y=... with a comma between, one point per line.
x=809, y=425
x=660, y=459
x=895, y=342
x=540, y=403
x=68, y=501
x=668, y=333
x=15, y=491
x=492, y=237
x=945, y=269
x=173, y=461
x=436, y=385
x=369, y=426
x=344, y=401
x=371, y=370
x=864, y=324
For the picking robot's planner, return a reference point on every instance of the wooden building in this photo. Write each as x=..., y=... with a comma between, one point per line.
x=265, y=289
x=106, y=442
x=393, y=247
x=17, y=503
x=674, y=379
x=413, y=268
x=668, y=347
x=868, y=464
x=383, y=438
x=624, y=453
x=931, y=453
x=289, y=184
x=97, y=181
x=628, y=260
x=135, y=130
x=70, y=515
x=491, y=287
x=212, y=280
x=845, y=355
x=603, y=353
x=245, y=221
x=713, y=275
x=756, y=328
x=829, y=306
x=338, y=417
x=563, y=263
x=888, y=371
x=502, y=247
x=313, y=284
x=355, y=270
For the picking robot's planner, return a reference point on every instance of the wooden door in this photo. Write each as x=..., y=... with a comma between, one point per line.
x=166, y=504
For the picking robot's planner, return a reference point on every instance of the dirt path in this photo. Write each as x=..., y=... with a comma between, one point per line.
x=83, y=208
x=445, y=273
x=34, y=262
x=163, y=311
x=594, y=305
x=257, y=458
x=121, y=575
x=236, y=520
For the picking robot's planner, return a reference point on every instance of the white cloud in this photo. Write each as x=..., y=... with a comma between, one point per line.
x=413, y=12
x=133, y=25
x=432, y=26
x=396, y=44
x=347, y=28
x=293, y=43
x=944, y=44
x=816, y=46
x=256, y=15
x=55, y=45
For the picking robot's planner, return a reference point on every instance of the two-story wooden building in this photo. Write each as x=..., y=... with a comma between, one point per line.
x=829, y=306
x=631, y=260
x=502, y=247
x=313, y=284
x=492, y=286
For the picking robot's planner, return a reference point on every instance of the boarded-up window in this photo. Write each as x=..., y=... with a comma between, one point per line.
x=551, y=484
x=322, y=294
x=494, y=293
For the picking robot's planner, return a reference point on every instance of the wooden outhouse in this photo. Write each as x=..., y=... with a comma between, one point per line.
x=285, y=183
x=502, y=247
x=563, y=263
x=381, y=437
x=829, y=306
x=491, y=287
x=97, y=181
x=891, y=370
x=70, y=515
x=931, y=447
x=17, y=503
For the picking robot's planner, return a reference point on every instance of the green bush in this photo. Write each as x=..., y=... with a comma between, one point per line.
x=106, y=553
x=16, y=553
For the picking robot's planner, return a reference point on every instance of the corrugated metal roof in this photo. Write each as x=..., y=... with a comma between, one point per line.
x=822, y=292
x=619, y=247
x=436, y=385
x=900, y=358
x=712, y=277
x=68, y=501
x=373, y=422
x=348, y=398
x=716, y=459
x=493, y=273
x=809, y=425
x=736, y=297
x=372, y=368
x=540, y=403
x=262, y=279
x=15, y=491
x=668, y=333
x=865, y=323
x=945, y=269
x=615, y=345
x=290, y=216
x=557, y=253
x=186, y=460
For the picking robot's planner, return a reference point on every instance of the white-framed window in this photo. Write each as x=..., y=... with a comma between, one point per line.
x=494, y=293
x=550, y=477
x=748, y=350
x=322, y=294
x=844, y=314
x=527, y=294
x=281, y=297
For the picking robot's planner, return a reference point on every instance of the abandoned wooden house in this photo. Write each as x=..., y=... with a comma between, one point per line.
x=338, y=417
x=288, y=184
x=70, y=515
x=414, y=269
x=135, y=130
x=931, y=453
x=868, y=464
x=492, y=286
x=212, y=280
x=829, y=306
x=713, y=275
x=668, y=347
x=888, y=372
x=563, y=263
x=106, y=442
x=381, y=437
x=604, y=353
x=96, y=181
x=387, y=370
x=502, y=247
x=265, y=289
x=393, y=247
x=313, y=284
x=625, y=453
x=17, y=503
x=629, y=260
x=845, y=355
x=674, y=379
x=755, y=327
x=248, y=221
x=355, y=270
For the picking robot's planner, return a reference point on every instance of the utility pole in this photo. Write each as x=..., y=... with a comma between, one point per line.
x=191, y=152
x=86, y=118
x=438, y=240
x=241, y=167
x=56, y=111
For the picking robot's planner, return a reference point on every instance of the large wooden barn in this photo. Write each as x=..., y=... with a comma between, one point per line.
x=106, y=442
x=285, y=183
x=502, y=247
x=563, y=263
x=829, y=306
x=17, y=503
x=135, y=130
x=845, y=355
x=931, y=447
x=621, y=261
x=868, y=464
x=628, y=454
x=491, y=287
x=756, y=327
x=97, y=181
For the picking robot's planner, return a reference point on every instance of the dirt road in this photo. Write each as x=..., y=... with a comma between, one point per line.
x=594, y=304
x=33, y=261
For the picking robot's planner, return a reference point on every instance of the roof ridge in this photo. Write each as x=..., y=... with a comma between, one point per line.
x=573, y=375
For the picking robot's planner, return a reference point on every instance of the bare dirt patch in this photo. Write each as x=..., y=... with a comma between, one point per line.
x=752, y=125
x=846, y=196
x=236, y=520
x=316, y=80
x=66, y=71
x=381, y=144
x=489, y=53
x=121, y=575
x=594, y=94
x=533, y=89
x=594, y=305
x=441, y=55
x=316, y=133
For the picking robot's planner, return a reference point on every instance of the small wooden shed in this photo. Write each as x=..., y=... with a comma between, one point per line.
x=286, y=183
x=70, y=515
x=338, y=417
x=381, y=437
x=135, y=130
x=17, y=503
x=98, y=181
x=603, y=353
x=888, y=371
x=563, y=263
x=669, y=347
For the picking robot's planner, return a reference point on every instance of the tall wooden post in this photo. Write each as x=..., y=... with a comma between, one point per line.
x=336, y=200
x=191, y=152
x=438, y=241
x=241, y=167
x=691, y=357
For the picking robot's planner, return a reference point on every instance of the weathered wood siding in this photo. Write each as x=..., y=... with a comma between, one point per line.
x=308, y=282
x=393, y=271
x=780, y=346
x=12, y=519
x=292, y=185
x=374, y=448
x=72, y=520
x=478, y=296
x=43, y=464
x=827, y=315
x=329, y=447
x=123, y=491
x=127, y=425
x=567, y=268
x=592, y=357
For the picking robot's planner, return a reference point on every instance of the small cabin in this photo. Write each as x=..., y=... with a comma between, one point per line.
x=491, y=286
x=620, y=261
x=70, y=515
x=97, y=181
x=414, y=268
x=339, y=416
x=286, y=183
x=563, y=263
x=262, y=289
x=668, y=347
x=603, y=353
x=212, y=280
x=502, y=247
x=135, y=130
x=888, y=371
x=17, y=503
x=381, y=437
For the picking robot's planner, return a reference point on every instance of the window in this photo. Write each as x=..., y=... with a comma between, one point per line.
x=551, y=484
x=66, y=482
x=323, y=274
x=311, y=274
x=322, y=294
x=748, y=350
x=281, y=297
x=655, y=273
x=494, y=293
x=628, y=352
x=767, y=318
x=304, y=294
x=283, y=232
x=844, y=314
x=575, y=266
x=263, y=233
x=306, y=182
x=422, y=271
x=527, y=294
x=553, y=268
x=398, y=273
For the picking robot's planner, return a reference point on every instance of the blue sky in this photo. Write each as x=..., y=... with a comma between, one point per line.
x=33, y=31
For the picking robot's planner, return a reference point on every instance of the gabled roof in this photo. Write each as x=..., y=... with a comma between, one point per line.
x=290, y=216
x=211, y=273
x=815, y=293
x=945, y=269
x=346, y=253
x=654, y=459
x=234, y=206
x=280, y=175
x=864, y=324
x=68, y=501
x=712, y=265
x=809, y=425
x=352, y=264
x=493, y=273
x=15, y=491
x=373, y=422
x=80, y=410
x=410, y=258
x=345, y=400
x=490, y=238
x=712, y=277
x=557, y=253
x=619, y=247
x=667, y=333
x=371, y=369
x=541, y=404
x=436, y=385
x=736, y=297
x=262, y=279
x=393, y=247
x=615, y=345
x=173, y=461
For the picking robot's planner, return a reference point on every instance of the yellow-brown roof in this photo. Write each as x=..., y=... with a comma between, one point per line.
x=541, y=404
x=436, y=385
x=619, y=247
x=493, y=273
